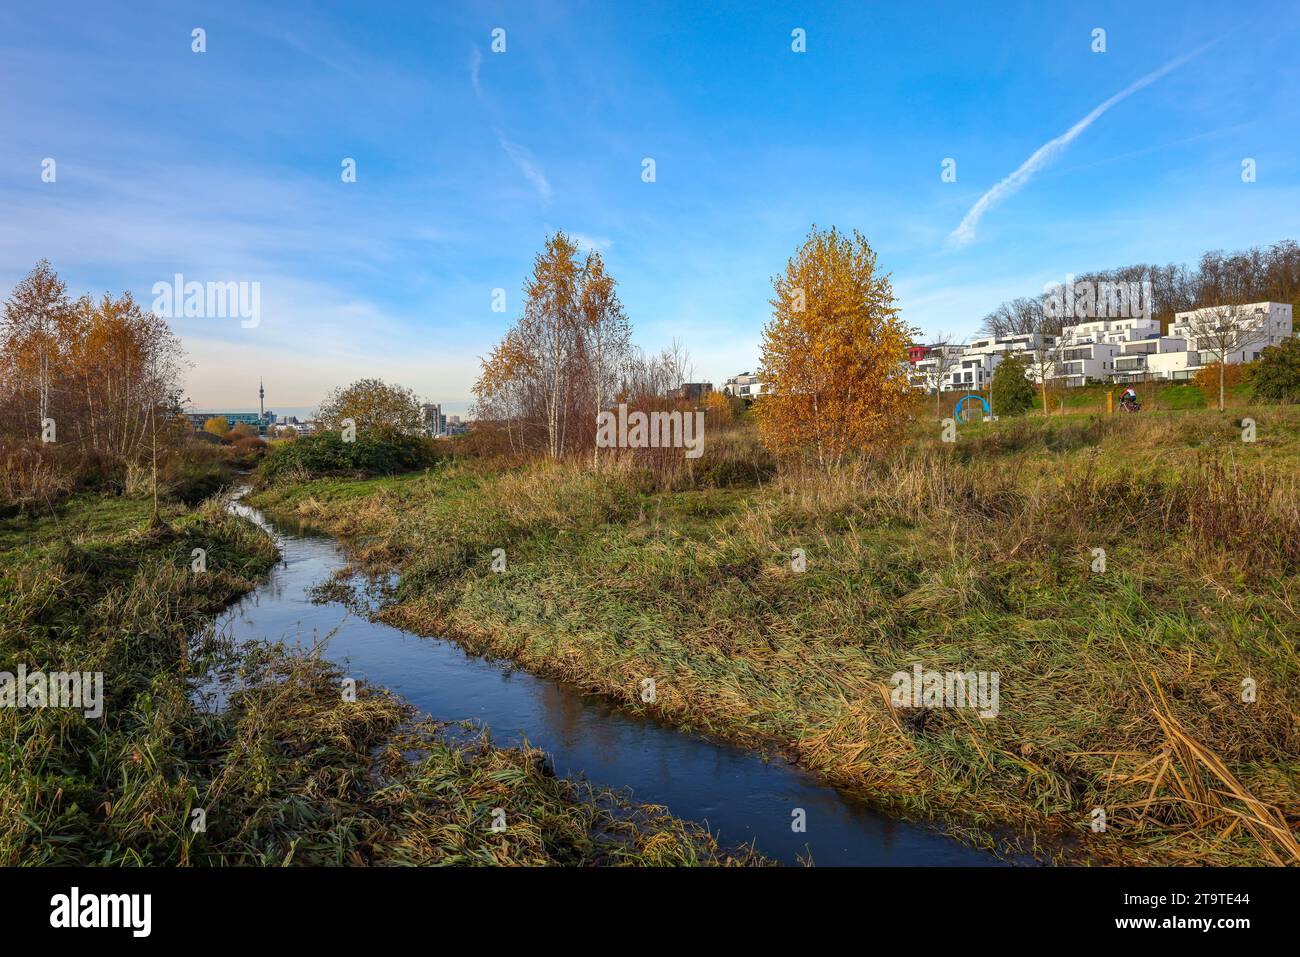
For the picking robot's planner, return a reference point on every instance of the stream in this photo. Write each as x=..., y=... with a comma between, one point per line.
x=741, y=796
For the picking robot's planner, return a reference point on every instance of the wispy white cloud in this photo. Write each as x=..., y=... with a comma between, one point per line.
x=527, y=164
x=520, y=155
x=598, y=244
x=965, y=231
x=475, y=61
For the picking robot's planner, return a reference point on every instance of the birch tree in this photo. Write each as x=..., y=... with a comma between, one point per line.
x=563, y=361
x=943, y=356
x=834, y=353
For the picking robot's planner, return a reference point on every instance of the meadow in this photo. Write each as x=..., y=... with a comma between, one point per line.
x=286, y=770
x=1161, y=688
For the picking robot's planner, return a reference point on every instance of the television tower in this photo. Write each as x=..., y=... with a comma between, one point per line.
x=261, y=404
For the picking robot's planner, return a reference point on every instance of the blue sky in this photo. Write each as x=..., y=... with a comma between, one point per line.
x=225, y=165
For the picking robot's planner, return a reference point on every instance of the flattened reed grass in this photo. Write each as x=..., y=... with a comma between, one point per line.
x=976, y=557
x=306, y=777
x=287, y=772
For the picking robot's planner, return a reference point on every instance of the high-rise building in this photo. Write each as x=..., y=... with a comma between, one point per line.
x=435, y=423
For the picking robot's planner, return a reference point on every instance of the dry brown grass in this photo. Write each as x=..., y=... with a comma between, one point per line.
x=974, y=560
x=32, y=473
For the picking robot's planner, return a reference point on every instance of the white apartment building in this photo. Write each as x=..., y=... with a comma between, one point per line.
x=1078, y=363
x=745, y=386
x=926, y=374
x=983, y=356
x=1260, y=324
x=974, y=370
x=1114, y=331
x=972, y=366
x=1097, y=349
x=1129, y=349
x=1161, y=357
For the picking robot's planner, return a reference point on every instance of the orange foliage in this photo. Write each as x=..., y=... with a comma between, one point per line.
x=1207, y=377
x=833, y=354
x=104, y=372
x=717, y=409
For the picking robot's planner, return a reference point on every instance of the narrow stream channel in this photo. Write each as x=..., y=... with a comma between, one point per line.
x=740, y=796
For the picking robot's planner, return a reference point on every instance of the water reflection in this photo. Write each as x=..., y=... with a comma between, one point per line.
x=742, y=797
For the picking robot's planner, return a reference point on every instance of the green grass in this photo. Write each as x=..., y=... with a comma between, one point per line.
x=1162, y=396
x=972, y=557
x=288, y=771
x=1180, y=397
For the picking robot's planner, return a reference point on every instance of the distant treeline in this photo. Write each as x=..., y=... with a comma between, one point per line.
x=1251, y=275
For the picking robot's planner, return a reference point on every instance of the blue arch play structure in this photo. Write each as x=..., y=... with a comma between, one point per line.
x=960, y=409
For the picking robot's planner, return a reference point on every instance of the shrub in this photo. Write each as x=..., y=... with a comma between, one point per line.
x=31, y=473
x=1012, y=392
x=1207, y=377
x=732, y=457
x=1276, y=377
x=241, y=431
x=34, y=473
x=194, y=471
x=325, y=453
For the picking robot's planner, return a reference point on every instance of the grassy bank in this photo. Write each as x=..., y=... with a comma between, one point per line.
x=1120, y=689
x=286, y=772
x=1155, y=396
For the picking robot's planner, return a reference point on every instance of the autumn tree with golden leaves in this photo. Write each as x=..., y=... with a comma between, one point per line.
x=834, y=354
x=373, y=406
x=105, y=371
x=562, y=362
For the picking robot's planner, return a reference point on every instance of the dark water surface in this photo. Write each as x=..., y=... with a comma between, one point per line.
x=740, y=796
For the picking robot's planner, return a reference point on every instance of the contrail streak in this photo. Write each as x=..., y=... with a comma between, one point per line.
x=965, y=231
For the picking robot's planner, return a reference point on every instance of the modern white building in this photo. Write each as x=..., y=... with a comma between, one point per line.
x=745, y=386
x=1078, y=363
x=1256, y=326
x=1096, y=350
x=1025, y=342
x=1129, y=349
x=971, y=366
x=934, y=371
x=1161, y=357
x=983, y=356
x=1114, y=331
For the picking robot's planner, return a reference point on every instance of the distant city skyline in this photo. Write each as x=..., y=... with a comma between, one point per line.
x=231, y=165
x=300, y=410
